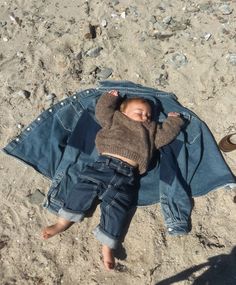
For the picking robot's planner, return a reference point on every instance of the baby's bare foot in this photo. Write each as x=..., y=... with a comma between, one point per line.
x=59, y=227
x=108, y=257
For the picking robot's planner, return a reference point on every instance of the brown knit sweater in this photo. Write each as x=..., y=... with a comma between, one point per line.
x=125, y=137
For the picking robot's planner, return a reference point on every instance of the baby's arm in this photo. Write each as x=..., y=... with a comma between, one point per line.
x=106, y=106
x=169, y=129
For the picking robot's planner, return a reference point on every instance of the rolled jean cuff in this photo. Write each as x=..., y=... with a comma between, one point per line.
x=105, y=238
x=178, y=228
x=70, y=216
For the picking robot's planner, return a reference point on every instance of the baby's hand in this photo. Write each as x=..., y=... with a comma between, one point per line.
x=173, y=114
x=113, y=93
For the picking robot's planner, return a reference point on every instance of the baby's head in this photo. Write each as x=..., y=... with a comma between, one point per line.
x=137, y=109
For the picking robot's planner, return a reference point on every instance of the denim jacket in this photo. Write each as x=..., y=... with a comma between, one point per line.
x=64, y=136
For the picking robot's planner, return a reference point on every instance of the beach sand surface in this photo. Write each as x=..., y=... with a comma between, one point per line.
x=49, y=50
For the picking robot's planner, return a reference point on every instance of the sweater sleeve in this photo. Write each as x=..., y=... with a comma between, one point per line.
x=105, y=108
x=168, y=131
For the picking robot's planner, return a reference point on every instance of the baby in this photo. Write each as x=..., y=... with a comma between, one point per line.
x=126, y=143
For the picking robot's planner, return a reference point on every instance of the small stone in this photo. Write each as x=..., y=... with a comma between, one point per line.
x=23, y=94
x=36, y=198
x=94, y=52
x=160, y=26
x=192, y=9
x=114, y=15
x=153, y=19
x=162, y=79
x=163, y=35
x=92, y=32
x=19, y=126
x=167, y=20
x=5, y=39
x=231, y=57
x=104, y=73
x=3, y=243
x=15, y=19
x=179, y=59
x=91, y=69
x=207, y=36
x=50, y=96
x=123, y=15
x=143, y=36
x=104, y=23
x=20, y=54
x=115, y=2
x=225, y=9
x=3, y=24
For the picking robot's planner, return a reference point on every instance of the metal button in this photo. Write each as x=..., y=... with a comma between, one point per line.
x=28, y=129
x=39, y=119
x=17, y=139
x=50, y=110
x=87, y=91
x=74, y=97
x=62, y=103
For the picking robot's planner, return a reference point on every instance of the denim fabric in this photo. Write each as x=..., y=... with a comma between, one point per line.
x=108, y=179
x=63, y=137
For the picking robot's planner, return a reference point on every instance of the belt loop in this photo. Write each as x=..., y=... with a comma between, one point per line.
x=107, y=161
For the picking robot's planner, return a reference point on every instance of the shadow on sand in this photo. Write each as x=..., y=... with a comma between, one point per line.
x=220, y=270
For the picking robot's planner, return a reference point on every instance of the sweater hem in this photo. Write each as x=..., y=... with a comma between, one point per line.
x=142, y=165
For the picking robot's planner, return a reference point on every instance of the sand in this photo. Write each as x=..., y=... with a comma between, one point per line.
x=48, y=50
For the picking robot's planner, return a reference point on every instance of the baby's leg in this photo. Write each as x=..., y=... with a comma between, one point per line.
x=59, y=227
x=108, y=257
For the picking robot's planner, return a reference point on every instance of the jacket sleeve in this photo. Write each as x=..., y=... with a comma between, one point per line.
x=167, y=131
x=106, y=106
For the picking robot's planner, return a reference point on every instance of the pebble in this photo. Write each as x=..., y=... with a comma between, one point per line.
x=104, y=73
x=90, y=32
x=192, y=9
x=231, y=58
x=162, y=79
x=50, y=96
x=114, y=15
x=94, y=52
x=225, y=9
x=5, y=39
x=115, y=2
x=20, y=54
x=167, y=20
x=123, y=15
x=179, y=59
x=36, y=198
x=207, y=36
x=3, y=24
x=159, y=26
x=23, y=94
x=163, y=35
x=104, y=23
x=179, y=25
x=15, y=19
x=91, y=69
x=153, y=19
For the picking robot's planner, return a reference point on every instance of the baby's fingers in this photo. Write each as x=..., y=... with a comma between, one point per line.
x=113, y=93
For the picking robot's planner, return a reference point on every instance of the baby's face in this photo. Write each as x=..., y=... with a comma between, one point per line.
x=138, y=111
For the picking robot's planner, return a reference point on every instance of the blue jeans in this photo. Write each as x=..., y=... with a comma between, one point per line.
x=114, y=183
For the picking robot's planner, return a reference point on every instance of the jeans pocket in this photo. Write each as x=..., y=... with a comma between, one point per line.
x=68, y=117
